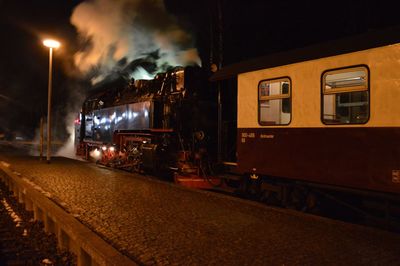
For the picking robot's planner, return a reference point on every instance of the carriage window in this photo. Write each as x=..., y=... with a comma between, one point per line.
x=274, y=105
x=345, y=96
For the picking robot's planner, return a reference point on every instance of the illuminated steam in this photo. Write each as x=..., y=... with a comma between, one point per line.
x=141, y=73
x=128, y=39
x=68, y=149
x=62, y=145
x=125, y=30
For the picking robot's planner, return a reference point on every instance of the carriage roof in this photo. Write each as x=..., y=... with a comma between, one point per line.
x=368, y=40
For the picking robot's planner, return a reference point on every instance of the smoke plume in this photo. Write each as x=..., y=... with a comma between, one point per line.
x=115, y=31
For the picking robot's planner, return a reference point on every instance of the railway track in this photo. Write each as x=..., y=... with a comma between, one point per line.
x=23, y=241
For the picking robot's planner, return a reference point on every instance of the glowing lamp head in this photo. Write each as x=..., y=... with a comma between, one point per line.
x=51, y=43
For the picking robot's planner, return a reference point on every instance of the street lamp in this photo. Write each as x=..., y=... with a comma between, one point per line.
x=50, y=44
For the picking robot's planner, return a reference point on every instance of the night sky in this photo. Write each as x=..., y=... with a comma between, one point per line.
x=249, y=29
x=24, y=61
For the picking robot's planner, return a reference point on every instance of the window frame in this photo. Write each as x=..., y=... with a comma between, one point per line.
x=274, y=97
x=359, y=88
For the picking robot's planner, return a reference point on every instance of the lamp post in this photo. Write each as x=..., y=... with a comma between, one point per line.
x=50, y=44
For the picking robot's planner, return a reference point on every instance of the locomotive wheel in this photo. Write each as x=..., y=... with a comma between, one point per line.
x=136, y=166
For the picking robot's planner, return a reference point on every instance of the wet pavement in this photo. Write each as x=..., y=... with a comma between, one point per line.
x=159, y=223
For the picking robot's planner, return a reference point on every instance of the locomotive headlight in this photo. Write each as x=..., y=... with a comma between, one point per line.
x=112, y=149
x=96, y=153
x=104, y=148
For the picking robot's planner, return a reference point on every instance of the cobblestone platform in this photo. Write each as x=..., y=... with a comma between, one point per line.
x=158, y=223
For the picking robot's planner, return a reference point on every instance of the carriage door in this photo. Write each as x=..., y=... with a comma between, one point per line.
x=229, y=120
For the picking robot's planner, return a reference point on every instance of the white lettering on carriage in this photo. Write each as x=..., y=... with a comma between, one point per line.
x=266, y=136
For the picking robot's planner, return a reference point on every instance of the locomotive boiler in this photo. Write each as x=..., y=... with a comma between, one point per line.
x=164, y=125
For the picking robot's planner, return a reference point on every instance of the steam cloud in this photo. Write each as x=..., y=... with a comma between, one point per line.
x=116, y=31
x=134, y=38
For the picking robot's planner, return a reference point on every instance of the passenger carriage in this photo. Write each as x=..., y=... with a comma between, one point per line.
x=321, y=119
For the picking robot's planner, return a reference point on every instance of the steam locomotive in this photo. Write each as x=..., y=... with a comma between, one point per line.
x=295, y=128
x=164, y=125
